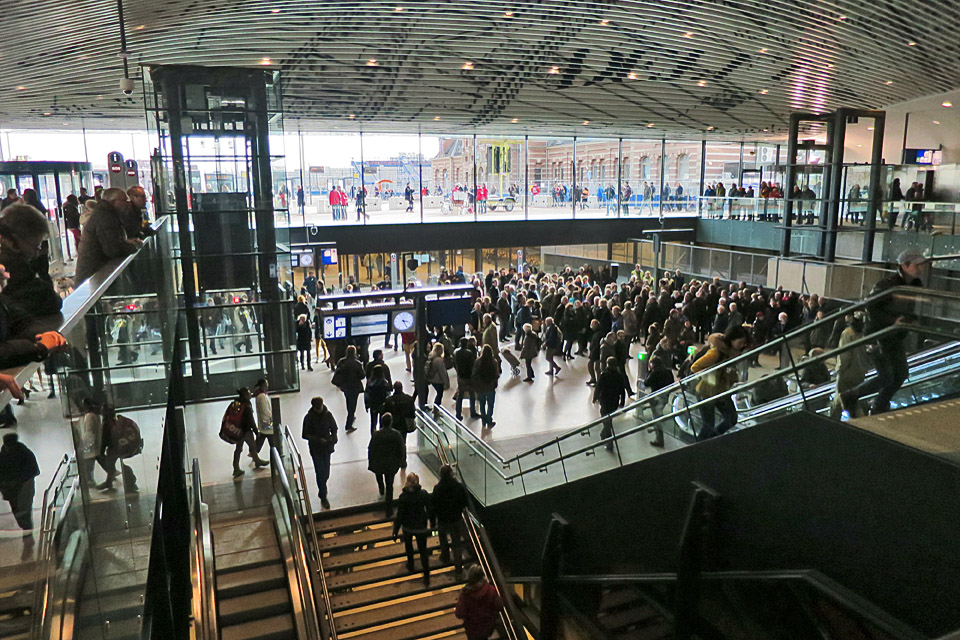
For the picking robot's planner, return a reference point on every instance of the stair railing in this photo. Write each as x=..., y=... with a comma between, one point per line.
x=202, y=562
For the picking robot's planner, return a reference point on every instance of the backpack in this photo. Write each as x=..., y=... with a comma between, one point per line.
x=231, y=427
x=127, y=441
x=684, y=369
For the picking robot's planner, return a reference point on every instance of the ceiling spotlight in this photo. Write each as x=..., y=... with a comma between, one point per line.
x=911, y=44
x=265, y=61
x=936, y=121
x=829, y=65
x=870, y=128
x=435, y=118
x=352, y=116
x=766, y=130
x=554, y=70
x=604, y=23
x=945, y=103
x=515, y=120
x=467, y=66
x=764, y=50
x=843, y=17
x=372, y=63
x=47, y=113
x=688, y=34
x=888, y=82
x=764, y=92
x=140, y=27
x=710, y=128
x=398, y=9
x=274, y=10
x=21, y=88
x=508, y=14
x=702, y=83
x=586, y=122
x=649, y=125
x=631, y=76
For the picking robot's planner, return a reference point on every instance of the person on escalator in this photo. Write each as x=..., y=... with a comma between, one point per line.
x=852, y=364
x=888, y=354
x=413, y=517
x=723, y=347
x=478, y=606
x=449, y=501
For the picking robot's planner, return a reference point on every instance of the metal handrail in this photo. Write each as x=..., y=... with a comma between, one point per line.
x=203, y=561
x=478, y=537
x=299, y=479
x=46, y=556
x=306, y=618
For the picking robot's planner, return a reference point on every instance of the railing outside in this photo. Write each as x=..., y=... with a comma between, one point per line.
x=567, y=457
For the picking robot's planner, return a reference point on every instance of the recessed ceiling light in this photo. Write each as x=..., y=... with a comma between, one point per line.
x=352, y=116
x=515, y=120
x=398, y=9
x=843, y=17
x=766, y=130
x=586, y=122
x=688, y=34
x=467, y=66
x=764, y=92
x=21, y=88
x=436, y=118
x=888, y=82
x=859, y=145
x=710, y=128
x=764, y=50
x=508, y=14
x=870, y=128
x=936, y=122
x=265, y=61
x=945, y=103
x=554, y=70
x=372, y=63
x=631, y=76
x=140, y=27
x=47, y=113
x=649, y=125
x=100, y=97
x=604, y=23
x=829, y=65
x=911, y=44
x=702, y=83
x=274, y=10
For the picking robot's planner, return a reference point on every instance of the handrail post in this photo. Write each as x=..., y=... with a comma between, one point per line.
x=694, y=544
x=550, y=565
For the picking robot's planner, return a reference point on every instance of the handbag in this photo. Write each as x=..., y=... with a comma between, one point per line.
x=338, y=378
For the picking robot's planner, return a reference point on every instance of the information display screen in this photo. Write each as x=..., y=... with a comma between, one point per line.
x=328, y=256
x=376, y=324
x=450, y=311
x=922, y=156
x=334, y=327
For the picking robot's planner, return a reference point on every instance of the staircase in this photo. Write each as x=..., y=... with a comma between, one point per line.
x=625, y=614
x=16, y=601
x=372, y=594
x=251, y=581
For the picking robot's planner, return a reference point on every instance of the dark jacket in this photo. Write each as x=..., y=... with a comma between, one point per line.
x=610, y=392
x=320, y=431
x=103, y=239
x=386, y=452
x=658, y=378
x=413, y=511
x=596, y=342
x=71, y=215
x=449, y=501
x=377, y=391
x=530, y=346
x=478, y=606
x=351, y=375
x=28, y=293
x=484, y=379
x=884, y=312
x=17, y=465
x=16, y=352
x=304, y=336
x=463, y=359
x=551, y=337
x=401, y=407
x=386, y=369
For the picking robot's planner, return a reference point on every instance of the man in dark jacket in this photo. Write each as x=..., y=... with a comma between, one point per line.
x=320, y=432
x=18, y=468
x=595, y=344
x=348, y=377
x=503, y=315
x=378, y=360
x=889, y=355
x=104, y=237
x=463, y=359
x=413, y=516
x=610, y=393
x=449, y=501
x=386, y=454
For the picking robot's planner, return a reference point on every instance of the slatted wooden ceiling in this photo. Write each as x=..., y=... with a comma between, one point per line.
x=732, y=67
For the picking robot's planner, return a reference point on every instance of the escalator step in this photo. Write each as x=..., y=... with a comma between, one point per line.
x=272, y=628
x=661, y=630
x=239, y=583
x=619, y=598
x=395, y=612
x=352, y=522
x=243, y=560
x=253, y=606
x=392, y=591
x=349, y=541
x=435, y=624
x=368, y=556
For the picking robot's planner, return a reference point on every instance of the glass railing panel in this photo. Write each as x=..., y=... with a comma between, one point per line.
x=543, y=468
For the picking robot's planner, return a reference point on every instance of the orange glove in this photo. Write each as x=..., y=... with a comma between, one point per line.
x=51, y=340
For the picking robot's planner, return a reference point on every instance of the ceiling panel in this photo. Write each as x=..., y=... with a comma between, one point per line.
x=627, y=67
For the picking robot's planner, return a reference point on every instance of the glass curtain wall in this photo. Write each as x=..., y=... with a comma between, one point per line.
x=598, y=162
x=500, y=177
x=721, y=176
x=681, y=179
x=640, y=166
x=391, y=175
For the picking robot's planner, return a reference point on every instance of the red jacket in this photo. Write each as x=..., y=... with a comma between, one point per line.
x=478, y=608
x=334, y=198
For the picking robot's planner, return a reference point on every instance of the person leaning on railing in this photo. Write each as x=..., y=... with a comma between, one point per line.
x=103, y=237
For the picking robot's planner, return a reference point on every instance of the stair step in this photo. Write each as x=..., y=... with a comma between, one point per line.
x=352, y=540
x=395, y=612
x=433, y=625
x=618, y=598
x=641, y=614
x=242, y=560
x=394, y=590
x=253, y=606
x=352, y=522
x=273, y=628
x=661, y=630
x=233, y=584
x=359, y=577
x=369, y=556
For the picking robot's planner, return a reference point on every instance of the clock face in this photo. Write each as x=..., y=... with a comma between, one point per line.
x=306, y=260
x=403, y=321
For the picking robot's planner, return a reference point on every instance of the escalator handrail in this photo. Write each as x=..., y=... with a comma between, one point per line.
x=306, y=618
x=46, y=554
x=300, y=480
x=478, y=536
x=812, y=577
x=205, y=593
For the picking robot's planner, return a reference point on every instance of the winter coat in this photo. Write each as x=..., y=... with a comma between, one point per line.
x=530, y=346
x=28, y=293
x=436, y=372
x=17, y=466
x=484, y=378
x=478, y=606
x=610, y=392
x=103, y=239
x=377, y=392
x=721, y=379
x=449, y=499
x=351, y=372
x=401, y=407
x=386, y=452
x=304, y=336
x=551, y=337
x=413, y=511
x=320, y=431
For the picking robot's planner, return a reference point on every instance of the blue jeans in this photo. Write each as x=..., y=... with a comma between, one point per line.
x=321, y=465
x=486, y=399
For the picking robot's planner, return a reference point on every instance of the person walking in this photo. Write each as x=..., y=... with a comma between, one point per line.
x=264, y=413
x=436, y=372
x=658, y=377
x=402, y=410
x=484, y=380
x=478, y=605
x=348, y=377
x=378, y=389
x=413, y=519
x=529, y=349
x=611, y=394
x=386, y=454
x=553, y=343
x=18, y=468
x=320, y=432
x=304, y=341
x=593, y=353
x=87, y=434
x=889, y=355
x=449, y=499
x=240, y=415
x=463, y=360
